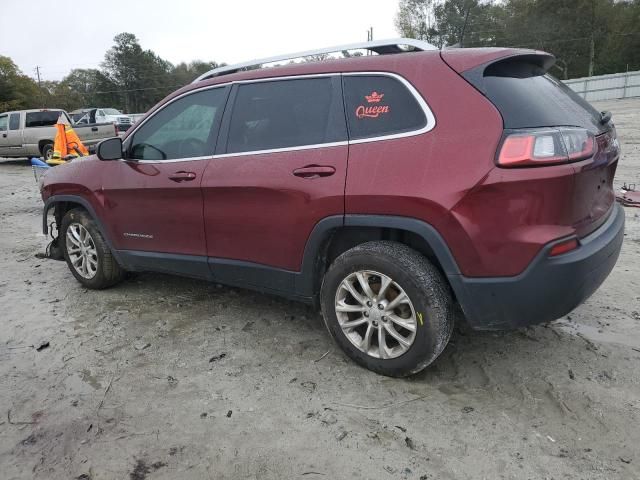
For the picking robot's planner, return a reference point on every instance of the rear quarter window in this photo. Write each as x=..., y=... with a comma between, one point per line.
x=379, y=105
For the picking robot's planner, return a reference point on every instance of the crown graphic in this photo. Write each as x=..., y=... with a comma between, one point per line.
x=375, y=97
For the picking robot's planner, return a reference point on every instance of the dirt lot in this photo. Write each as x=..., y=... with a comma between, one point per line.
x=163, y=377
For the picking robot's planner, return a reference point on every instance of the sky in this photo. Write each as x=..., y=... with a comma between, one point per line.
x=228, y=31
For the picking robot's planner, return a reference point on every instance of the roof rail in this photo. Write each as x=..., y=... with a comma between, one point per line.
x=378, y=46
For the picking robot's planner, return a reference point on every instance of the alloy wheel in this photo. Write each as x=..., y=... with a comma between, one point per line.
x=376, y=314
x=82, y=251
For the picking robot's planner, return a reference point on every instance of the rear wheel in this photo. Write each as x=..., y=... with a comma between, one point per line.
x=47, y=151
x=388, y=308
x=86, y=252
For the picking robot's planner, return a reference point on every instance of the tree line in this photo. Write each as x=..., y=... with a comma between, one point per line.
x=588, y=37
x=130, y=79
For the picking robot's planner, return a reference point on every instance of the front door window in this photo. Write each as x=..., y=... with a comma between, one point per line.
x=186, y=128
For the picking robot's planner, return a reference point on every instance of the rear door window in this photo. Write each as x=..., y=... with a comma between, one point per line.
x=379, y=105
x=14, y=121
x=286, y=113
x=3, y=123
x=42, y=119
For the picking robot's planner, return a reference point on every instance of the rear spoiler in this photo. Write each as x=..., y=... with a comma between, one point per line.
x=499, y=63
x=467, y=59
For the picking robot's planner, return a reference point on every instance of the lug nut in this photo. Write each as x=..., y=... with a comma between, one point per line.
x=369, y=304
x=366, y=314
x=380, y=306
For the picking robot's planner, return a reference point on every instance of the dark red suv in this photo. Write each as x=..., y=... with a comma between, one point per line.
x=385, y=188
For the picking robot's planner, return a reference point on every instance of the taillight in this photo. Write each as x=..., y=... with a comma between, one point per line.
x=531, y=148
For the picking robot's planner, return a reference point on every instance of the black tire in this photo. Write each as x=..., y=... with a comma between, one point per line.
x=425, y=286
x=108, y=272
x=47, y=149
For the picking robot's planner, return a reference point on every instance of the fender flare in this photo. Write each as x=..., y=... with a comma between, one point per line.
x=306, y=281
x=54, y=199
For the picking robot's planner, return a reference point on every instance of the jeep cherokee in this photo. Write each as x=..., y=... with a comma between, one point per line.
x=387, y=189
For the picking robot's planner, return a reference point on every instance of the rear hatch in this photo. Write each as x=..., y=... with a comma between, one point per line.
x=545, y=124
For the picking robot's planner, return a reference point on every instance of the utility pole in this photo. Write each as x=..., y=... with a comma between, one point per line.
x=39, y=85
x=464, y=26
x=592, y=45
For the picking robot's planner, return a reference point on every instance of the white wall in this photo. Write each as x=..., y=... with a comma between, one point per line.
x=607, y=87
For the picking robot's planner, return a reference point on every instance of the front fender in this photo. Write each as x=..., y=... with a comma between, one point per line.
x=86, y=204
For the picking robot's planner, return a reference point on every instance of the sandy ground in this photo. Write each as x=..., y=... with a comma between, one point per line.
x=163, y=377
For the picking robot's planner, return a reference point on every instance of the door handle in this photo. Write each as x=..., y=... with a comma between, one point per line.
x=314, y=171
x=94, y=129
x=182, y=176
x=4, y=135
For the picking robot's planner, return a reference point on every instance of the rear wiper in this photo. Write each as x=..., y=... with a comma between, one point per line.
x=605, y=117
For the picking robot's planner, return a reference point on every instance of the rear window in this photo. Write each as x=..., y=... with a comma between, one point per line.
x=42, y=119
x=380, y=105
x=527, y=97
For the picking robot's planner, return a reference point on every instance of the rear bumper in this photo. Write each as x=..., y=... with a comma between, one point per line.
x=549, y=288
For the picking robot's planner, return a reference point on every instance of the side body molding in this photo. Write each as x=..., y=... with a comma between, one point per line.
x=302, y=285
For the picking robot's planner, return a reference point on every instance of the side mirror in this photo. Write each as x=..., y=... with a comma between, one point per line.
x=109, y=149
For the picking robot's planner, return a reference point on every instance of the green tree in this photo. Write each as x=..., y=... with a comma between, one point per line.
x=586, y=36
x=130, y=78
x=17, y=91
x=185, y=73
x=141, y=76
x=416, y=19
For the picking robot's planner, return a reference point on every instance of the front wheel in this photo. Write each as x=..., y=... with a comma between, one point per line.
x=87, y=253
x=387, y=307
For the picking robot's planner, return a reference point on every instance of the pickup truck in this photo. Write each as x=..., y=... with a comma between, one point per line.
x=30, y=133
x=98, y=115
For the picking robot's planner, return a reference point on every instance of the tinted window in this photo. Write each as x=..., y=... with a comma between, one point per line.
x=42, y=119
x=14, y=121
x=379, y=105
x=183, y=129
x=286, y=113
x=526, y=98
x=3, y=122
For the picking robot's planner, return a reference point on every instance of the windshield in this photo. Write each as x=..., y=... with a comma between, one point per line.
x=111, y=111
